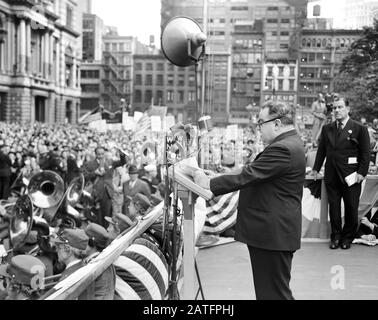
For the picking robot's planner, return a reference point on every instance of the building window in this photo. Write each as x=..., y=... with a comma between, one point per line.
x=148, y=96
x=191, y=96
x=192, y=81
x=270, y=71
x=159, y=80
x=284, y=33
x=180, y=96
x=170, y=67
x=170, y=79
x=138, y=96
x=280, y=84
x=69, y=16
x=284, y=46
x=291, y=85
x=272, y=20
x=285, y=20
x=181, y=80
x=138, y=79
x=280, y=71
x=149, y=66
x=148, y=79
x=160, y=66
x=169, y=96
x=138, y=66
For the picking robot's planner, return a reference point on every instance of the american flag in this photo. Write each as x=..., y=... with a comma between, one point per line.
x=143, y=125
x=221, y=213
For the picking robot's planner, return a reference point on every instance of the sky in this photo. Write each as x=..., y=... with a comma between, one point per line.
x=139, y=18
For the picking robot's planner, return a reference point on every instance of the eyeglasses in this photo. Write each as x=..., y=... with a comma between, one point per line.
x=261, y=123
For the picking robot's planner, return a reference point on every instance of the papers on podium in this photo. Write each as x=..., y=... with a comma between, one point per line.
x=183, y=175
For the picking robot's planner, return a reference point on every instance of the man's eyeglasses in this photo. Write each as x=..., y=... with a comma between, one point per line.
x=260, y=123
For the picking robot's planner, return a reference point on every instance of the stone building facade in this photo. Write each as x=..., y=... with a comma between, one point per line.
x=40, y=54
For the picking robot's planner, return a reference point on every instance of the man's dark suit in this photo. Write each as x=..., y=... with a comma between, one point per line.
x=140, y=186
x=5, y=173
x=103, y=189
x=269, y=211
x=346, y=153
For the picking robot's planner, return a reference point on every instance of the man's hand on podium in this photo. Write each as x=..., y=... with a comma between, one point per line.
x=202, y=179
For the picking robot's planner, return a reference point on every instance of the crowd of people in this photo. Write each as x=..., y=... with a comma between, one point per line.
x=123, y=184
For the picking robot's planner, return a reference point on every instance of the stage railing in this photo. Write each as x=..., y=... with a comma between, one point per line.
x=71, y=287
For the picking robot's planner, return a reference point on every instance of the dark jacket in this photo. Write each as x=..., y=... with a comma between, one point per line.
x=270, y=200
x=353, y=142
x=102, y=185
x=5, y=164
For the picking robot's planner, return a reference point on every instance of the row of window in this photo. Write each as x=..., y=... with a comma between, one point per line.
x=160, y=80
x=314, y=73
x=273, y=20
x=90, y=74
x=170, y=94
x=118, y=46
x=322, y=57
x=270, y=85
x=326, y=42
x=248, y=43
x=159, y=66
x=247, y=58
x=281, y=70
x=313, y=87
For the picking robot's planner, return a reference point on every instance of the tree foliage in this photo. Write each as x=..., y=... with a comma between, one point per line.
x=358, y=76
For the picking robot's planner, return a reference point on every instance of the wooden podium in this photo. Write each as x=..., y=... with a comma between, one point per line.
x=188, y=192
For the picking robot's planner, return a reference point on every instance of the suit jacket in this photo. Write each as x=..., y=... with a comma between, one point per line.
x=353, y=142
x=140, y=186
x=66, y=272
x=5, y=164
x=270, y=199
x=102, y=288
x=102, y=185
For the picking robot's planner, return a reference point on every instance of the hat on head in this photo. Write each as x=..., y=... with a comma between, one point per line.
x=150, y=168
x=133, y=169
x=75, y=238
x=98, y=234
x=141, y=200
x=23, y=268
x=122, y=225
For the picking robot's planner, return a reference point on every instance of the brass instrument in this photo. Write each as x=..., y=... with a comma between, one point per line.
x=45, y=191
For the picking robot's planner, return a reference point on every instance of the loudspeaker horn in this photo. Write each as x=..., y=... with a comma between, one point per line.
x=182, y=41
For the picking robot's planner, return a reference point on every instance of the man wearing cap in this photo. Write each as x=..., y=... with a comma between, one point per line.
x=70, y=245
x=103, y=287
x=138, y=206
x=134, y=186
x=117, y=224
x=23, y=277
x=150, y=177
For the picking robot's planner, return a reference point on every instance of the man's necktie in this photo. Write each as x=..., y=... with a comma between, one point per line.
x=339, y=127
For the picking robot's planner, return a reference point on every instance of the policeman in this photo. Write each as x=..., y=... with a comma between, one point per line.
x=104, y=286
x=71, y=245
x=23, y=278
x=138, y=205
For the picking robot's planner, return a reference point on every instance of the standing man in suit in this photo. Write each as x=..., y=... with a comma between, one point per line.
x=134, y=186
x=5, y=171
x=269, y=210
x=346, y=145
x=100, y=172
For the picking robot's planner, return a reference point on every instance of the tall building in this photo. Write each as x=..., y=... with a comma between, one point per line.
x=158, y=82
x=118, y=70
x=321, y=54
x=93, y=31
x=40, y=54
x=281, y=20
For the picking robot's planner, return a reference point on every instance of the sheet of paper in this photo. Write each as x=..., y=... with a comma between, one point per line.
x=351, y=179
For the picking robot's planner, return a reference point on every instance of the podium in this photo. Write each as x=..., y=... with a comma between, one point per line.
x=188, y=192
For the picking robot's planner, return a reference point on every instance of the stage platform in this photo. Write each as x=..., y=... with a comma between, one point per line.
x=226, y=273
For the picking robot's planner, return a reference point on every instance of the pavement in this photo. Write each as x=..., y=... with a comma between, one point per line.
x=318, y=273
